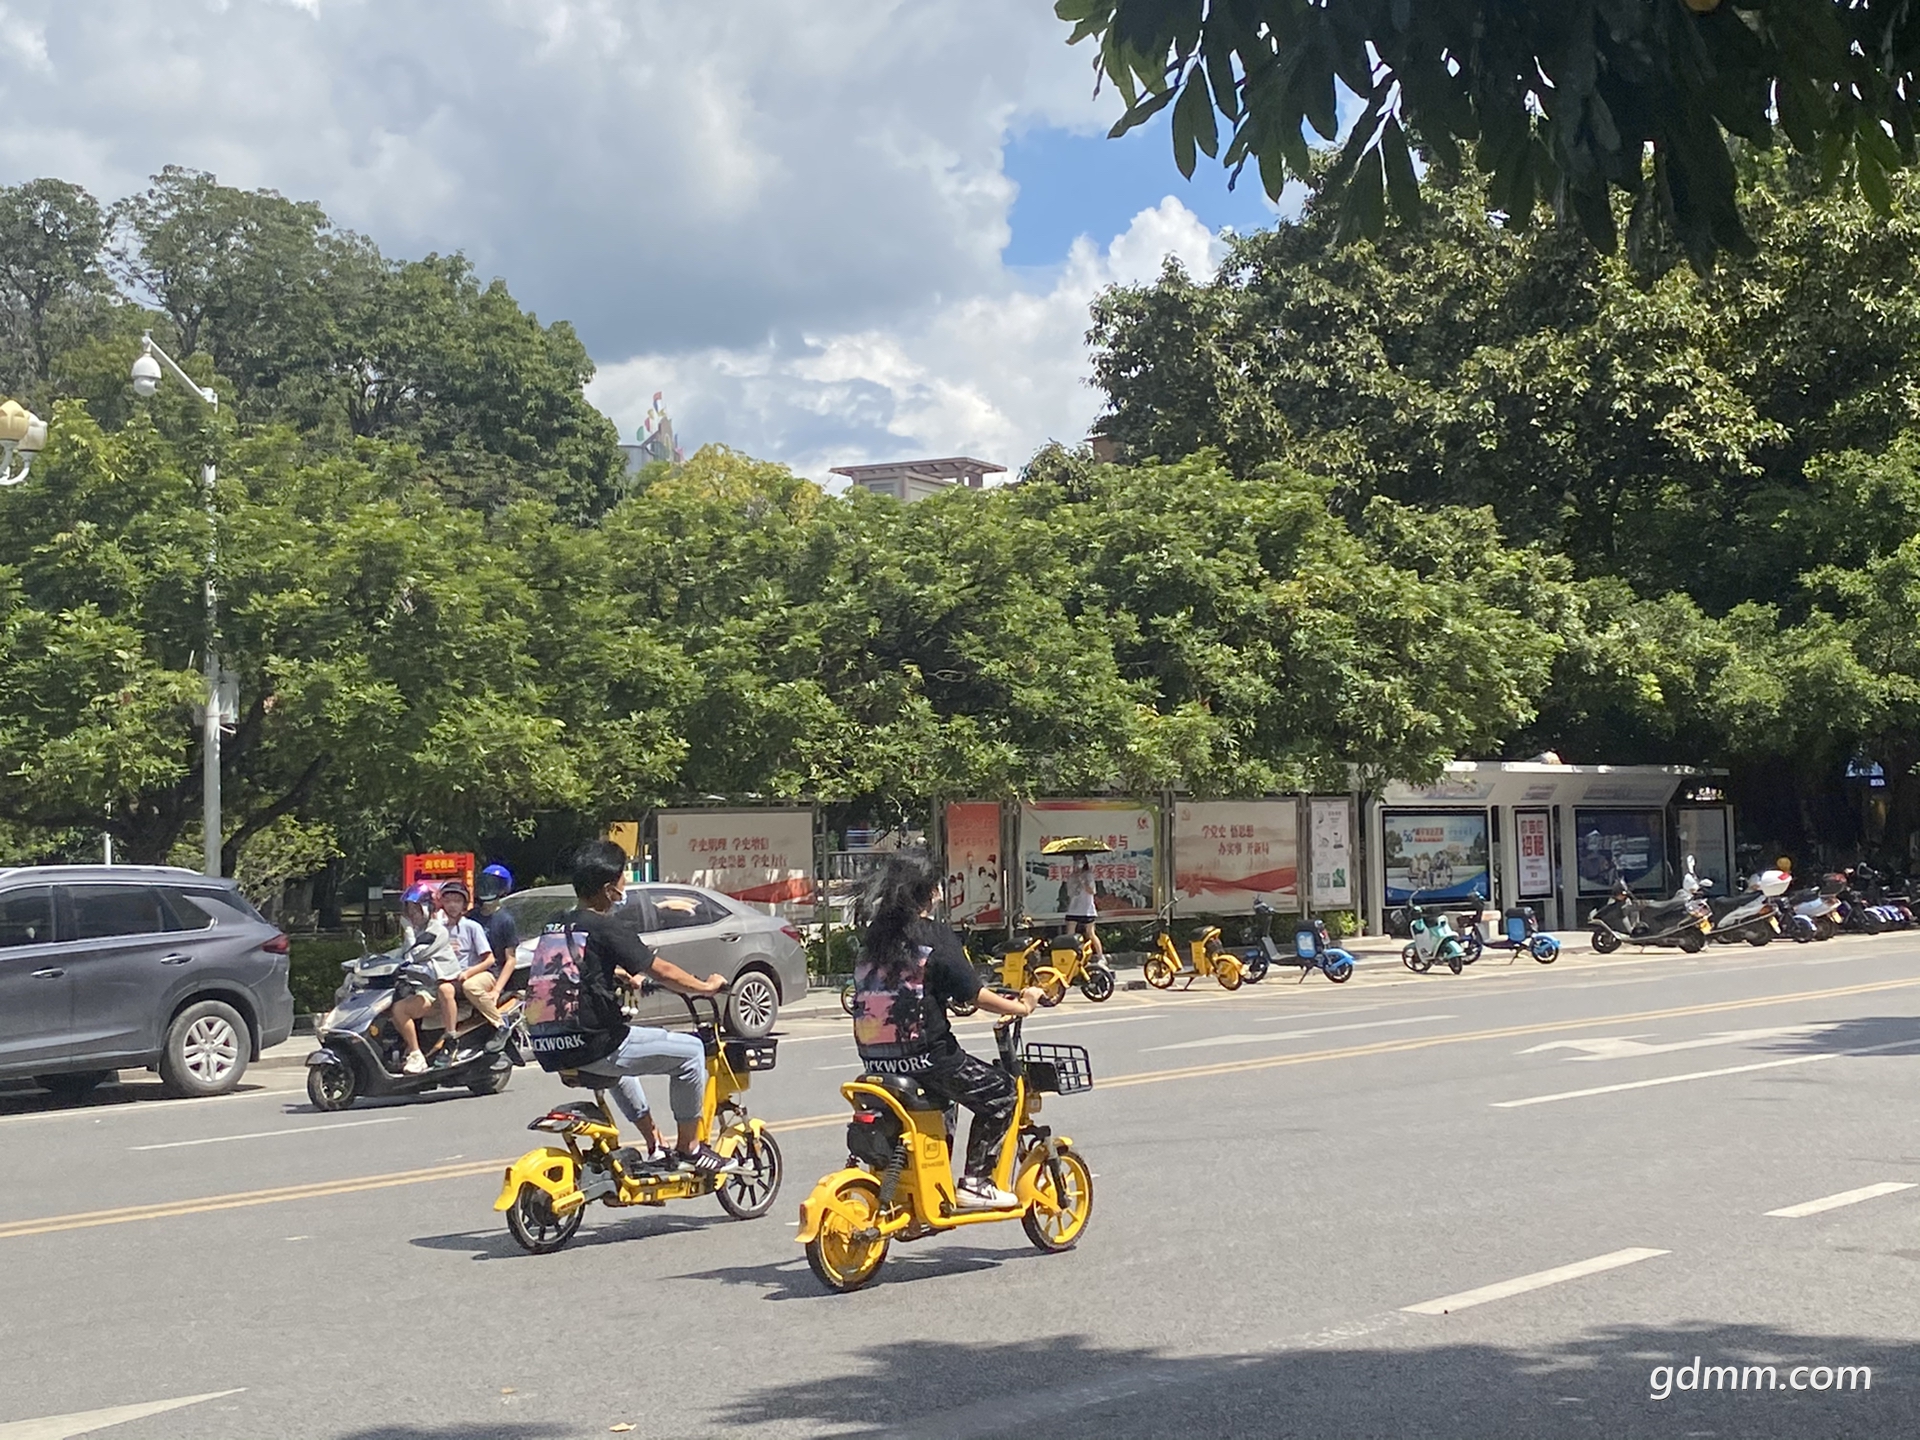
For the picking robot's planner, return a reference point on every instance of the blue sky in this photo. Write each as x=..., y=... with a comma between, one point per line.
x=1081, y=183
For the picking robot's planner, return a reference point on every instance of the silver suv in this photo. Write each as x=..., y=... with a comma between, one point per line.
x=704, y=933
x=113, y=967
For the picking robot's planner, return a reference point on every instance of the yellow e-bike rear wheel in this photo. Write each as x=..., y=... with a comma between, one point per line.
x=534, y=1226
x=839, y=1256
x=1227, y=971
x=1061, y=1229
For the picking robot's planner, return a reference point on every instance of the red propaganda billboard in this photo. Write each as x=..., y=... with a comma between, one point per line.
x=973, y=863
x=1228, y=853
x=764, y=857
x=436, y=868
x=1123, y=874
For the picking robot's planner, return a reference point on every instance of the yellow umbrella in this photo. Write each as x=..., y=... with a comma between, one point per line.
x=1076, y=845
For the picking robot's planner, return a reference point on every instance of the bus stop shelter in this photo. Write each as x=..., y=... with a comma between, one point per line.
x=1547, y=835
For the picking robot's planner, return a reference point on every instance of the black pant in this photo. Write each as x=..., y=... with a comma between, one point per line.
x=987, y=1091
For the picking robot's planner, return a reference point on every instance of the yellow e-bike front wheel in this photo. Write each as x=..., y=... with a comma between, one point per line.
x=1061, y=1228
x=1158, y=972
x=840, y=1255
x=1052, y=984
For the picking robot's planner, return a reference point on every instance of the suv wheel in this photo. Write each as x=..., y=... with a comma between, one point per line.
x=206, y=1050
x=753, y=1004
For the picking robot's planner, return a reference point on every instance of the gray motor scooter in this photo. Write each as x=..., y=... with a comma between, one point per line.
x=361, y=1052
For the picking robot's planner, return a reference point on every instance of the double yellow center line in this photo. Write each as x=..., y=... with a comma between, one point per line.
x=51, y=1224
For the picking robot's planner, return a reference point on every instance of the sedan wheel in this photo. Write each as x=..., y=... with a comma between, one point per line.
x=753, y=1004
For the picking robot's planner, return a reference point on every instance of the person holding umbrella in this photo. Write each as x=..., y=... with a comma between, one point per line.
x=1083, y=889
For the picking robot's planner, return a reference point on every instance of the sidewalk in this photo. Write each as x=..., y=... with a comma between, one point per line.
x=823, y=1002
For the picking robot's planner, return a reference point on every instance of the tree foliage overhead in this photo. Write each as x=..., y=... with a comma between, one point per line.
x=1567, y=101
x=1725, y=465
x=303, y=324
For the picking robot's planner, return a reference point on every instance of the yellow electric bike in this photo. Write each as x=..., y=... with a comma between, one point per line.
x=547, y=1191
x=899, y=1185
x=1052, y=963
x=1164, y=964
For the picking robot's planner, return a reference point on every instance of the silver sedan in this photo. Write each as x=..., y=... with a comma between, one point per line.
x=704, y=933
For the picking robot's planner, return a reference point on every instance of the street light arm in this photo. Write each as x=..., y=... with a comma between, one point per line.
x=205, y=392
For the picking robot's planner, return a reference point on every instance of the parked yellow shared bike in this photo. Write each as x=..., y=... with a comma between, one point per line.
x=547, y=1191
x=899, y=1185
x=1052, y=963
x=1164, y=963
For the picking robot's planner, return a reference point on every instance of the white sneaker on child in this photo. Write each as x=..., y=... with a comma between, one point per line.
x=974, y=1193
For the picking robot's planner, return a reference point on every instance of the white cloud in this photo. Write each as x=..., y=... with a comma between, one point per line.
x=993, y=375
x=791, y=213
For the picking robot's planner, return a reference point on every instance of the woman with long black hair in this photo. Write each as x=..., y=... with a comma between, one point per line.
x=909, y=970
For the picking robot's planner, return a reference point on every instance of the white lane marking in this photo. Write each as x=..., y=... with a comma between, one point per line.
x=143, y=1107
x=1699, y=1075
x=1467, y=1299
x=1084, y=1024
x=269, y=1134
x=1217, y=1040
x=1845, y=1197
x=85, y=1422
x=1624, y=1047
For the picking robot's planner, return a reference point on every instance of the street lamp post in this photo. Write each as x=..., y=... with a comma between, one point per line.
x=23, y=433
x=147, y=369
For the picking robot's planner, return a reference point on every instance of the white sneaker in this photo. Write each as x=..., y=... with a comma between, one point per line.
x=415, y=1064
x=976, y=1194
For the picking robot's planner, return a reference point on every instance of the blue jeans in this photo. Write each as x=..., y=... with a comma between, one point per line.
x=647, y=1051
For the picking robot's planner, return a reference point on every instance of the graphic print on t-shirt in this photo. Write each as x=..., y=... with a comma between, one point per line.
x=553, y=986
x=890, y=1004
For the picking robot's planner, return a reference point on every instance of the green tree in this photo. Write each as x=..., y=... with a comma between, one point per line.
x=378, y=634
x=1613, y=420
x=51, y=283
x=1566, y=101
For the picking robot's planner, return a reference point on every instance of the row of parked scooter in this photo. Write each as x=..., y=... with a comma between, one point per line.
x=1858, y=899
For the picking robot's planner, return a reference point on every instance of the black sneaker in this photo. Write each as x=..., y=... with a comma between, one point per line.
x=703, y=1159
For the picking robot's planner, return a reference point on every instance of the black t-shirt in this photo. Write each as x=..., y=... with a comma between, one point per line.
x=503, y=936
x=900, y=1004
x=607, y=942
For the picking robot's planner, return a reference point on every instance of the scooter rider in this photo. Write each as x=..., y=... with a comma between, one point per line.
x=909, y=969
x=476, y=980
x=493, y=885
x=603, y=1044
x=429, y=945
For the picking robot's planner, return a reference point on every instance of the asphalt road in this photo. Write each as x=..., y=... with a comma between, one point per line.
x=1496, y=1205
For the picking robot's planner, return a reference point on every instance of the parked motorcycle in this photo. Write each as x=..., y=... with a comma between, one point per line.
x=1433, y=939
x=1757, y=914
x=1627, y=919
x=361, y=1052
x=1821, y=905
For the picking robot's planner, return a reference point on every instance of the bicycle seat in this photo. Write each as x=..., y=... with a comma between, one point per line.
x=906, y=1091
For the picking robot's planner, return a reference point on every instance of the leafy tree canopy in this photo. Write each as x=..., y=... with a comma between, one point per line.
x=1567, y=101
x=302, y=324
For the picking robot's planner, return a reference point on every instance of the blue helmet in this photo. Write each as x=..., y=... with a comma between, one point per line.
x=495, y=881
